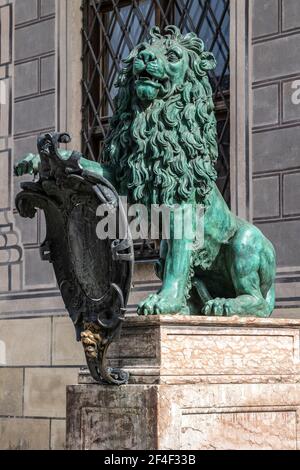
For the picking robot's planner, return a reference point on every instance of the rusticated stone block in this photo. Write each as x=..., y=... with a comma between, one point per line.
x=290, y=14
x=266, y=200
x=65, y=349
x=265, y=105
x=45, y=391
x=11, y=391
x=27, y=341
x=291, y=193
x=35, y=39
x=27, y=78
x=25, y=10
x=285, y=237
x=58, y=434
x=35, y=113
x=276, y=58
x=47, y=7
x=265, y=17
x=196, y=383
x=24, y=434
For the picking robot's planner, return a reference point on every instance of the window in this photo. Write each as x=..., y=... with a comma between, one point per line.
x=112, y=28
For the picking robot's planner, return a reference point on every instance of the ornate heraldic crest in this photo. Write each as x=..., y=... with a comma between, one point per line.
x=93, y=275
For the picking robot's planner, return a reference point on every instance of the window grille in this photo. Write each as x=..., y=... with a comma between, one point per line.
x=111, y=28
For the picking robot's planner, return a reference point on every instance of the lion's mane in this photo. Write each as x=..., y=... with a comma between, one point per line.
x=165, y=153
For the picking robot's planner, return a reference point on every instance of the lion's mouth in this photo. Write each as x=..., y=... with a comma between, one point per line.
x=148, y=78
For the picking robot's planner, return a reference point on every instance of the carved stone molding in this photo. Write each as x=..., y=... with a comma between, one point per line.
x=241, y=108
x=11, y=250
x=69, y=66
x=67, y=50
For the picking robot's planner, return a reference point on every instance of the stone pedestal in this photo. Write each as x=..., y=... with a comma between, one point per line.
x=196, y=383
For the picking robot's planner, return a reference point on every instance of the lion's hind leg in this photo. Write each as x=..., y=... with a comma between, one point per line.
x=250, y=260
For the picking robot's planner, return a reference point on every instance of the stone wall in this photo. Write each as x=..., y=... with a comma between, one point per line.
x=38, y=353
x=34, y=112
x=41, y=359
x=276, y=140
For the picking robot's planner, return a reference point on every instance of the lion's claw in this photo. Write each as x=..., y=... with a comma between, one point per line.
x=28, y=165
x=220, y=307
x=159, y=304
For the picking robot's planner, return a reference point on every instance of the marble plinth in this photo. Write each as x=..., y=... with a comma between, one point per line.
x=195, y=383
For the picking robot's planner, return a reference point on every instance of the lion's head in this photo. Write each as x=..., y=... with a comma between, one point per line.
x=163, y=140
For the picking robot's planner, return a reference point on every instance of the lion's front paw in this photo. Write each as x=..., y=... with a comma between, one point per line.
x=146, y=307
x=159, y=304
x=29, y=165
x=220, y=307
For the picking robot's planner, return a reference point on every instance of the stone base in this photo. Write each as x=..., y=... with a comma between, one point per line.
x=196, y=383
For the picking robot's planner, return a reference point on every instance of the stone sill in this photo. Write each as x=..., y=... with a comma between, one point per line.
x=185, y=320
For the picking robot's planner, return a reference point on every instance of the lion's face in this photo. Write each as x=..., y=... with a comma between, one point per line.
x=158, y=68
x=163, y=139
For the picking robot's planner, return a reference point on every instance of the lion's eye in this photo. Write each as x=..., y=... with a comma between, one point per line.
x=173, y=56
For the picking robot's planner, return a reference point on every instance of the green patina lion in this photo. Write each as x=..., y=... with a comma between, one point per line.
x=162, y=149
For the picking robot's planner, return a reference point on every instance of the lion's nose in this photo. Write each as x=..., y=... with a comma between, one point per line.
x=147, y=56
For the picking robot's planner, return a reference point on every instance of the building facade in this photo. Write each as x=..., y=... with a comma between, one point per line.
x=58, y=62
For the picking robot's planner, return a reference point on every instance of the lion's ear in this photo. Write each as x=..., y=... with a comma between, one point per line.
x=208, y=61
x=131, y=56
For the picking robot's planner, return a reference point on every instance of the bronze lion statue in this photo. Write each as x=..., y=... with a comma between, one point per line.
x=162, y=149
